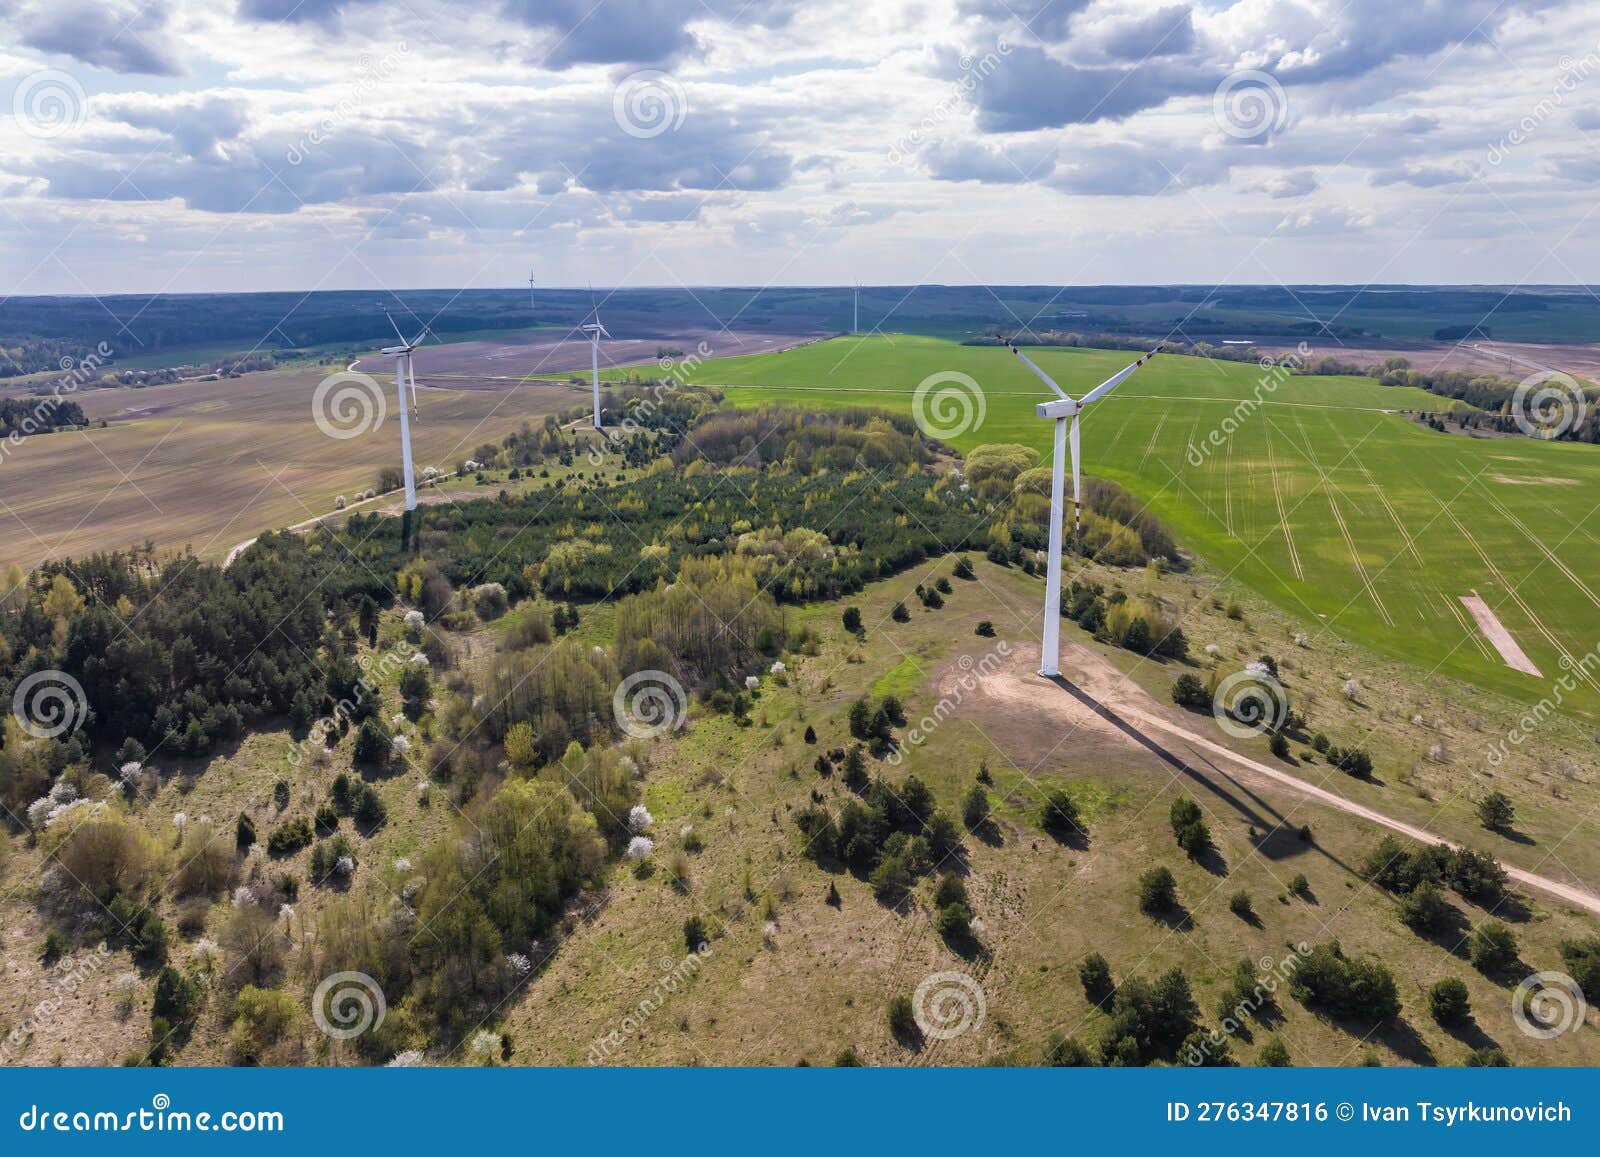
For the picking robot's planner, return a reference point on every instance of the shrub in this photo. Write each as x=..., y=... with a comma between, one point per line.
x=1239, y=904
x=975, y=808
x=899, y=614
x=1492, y=947
x=244, y=832
x=289, y=837
x=1351, y=760
x=1065, y=1052
x=1094, y=973
x=490, y=601
x=902, y=1019
x=1274, y=1055
x=1059, y=815
x=1426, y=910
x=1189, y=827
x=262, y=1017
x=1158, y=891
x=811, y=734
x=954, y=922
x=1449, y=1002
x=852, y=620
x=1326, y=979
x=984, y=628
x=694, y=933
x=1279, y=745
x=1189, y=692
x=1487, y=1057
x=1496, y=812
x=107, y=856
x=951, y=890
x=1582, y=958
x=205, y=862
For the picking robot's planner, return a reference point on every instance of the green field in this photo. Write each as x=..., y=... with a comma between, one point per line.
x=1358, y=520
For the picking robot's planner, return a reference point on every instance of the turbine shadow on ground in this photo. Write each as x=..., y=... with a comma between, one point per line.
x=1231, y=792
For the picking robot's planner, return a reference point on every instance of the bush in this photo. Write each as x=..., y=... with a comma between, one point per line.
x=1493, y=948
x=902, y=1019
x=262, y=1017
x=1189, y=692
x=1351, y=760
x=954, y=923
x=1158, y=891
x=975, y=808
x=205, y=862
x=244, y=832
x=984, y=629
x=1279, y=745
x=1064, y=1052
x=1496, y=812
x=900, y=614
x=107, y=856
x=289, y=837
x=1426, y=910
x=1059, y=815
x=1328, y=980
x=1189, y=827
x=1274, y=1055
x=490, y=601
x=1487, y=1057
x=852, y=620
x=1094, y=973
x=950, y=891
x=1582, y=958
x=1449, y=1002
x=1239, y=904
x=694, y=933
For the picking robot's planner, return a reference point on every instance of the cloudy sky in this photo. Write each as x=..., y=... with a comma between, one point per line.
x=319, y=144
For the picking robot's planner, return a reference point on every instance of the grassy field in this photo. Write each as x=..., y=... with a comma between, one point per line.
x=208, y=464
x=1356, y=519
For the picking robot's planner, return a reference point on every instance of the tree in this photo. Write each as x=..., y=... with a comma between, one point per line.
x=694, y=933
x=1487, y=1057
x=1059, y=815
x=244, y=832
x=1426, y=910
x=891, y=880
x=1279, y=745
x=1065, y=1052
x=1189, y=827
x=1492, y=947
x=975, y=808
x=954, y=923
x=811, y=734
x=1190, y=692
x=1158, y=891
x=900, y=614
x=1449, y=1002
x=1496, y=812
x=1582, y=958
x=1274, y=1055
x=1095, y=975
x=902, y=1018
x=1239, y=904
x=852, y=620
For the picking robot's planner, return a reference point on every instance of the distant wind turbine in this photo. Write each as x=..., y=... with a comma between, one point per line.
x=531, y=303
x=1059, y=412
x=855, y=322
x=403, y=371
x=595, y=331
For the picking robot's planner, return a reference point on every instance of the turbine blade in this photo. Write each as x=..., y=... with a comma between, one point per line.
x=393, y=326
x=1116, y=379
x=1077, y=497
x=1044, y=377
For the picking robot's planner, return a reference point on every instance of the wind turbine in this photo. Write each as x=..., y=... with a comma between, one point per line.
x=855, y=322
x=1059, y=412
x=532, y=303
x=596, y=331
x=404, y=370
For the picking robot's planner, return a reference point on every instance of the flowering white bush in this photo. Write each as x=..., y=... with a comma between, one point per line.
x=402, y=865
x=286, y=912
x=639, y=818
x=419, y=660
x=409, y=1059
x=39, y=812
x=255, y=852
x=130, y=769
x=1301, y=639
x=415, y=620
x=126, y=982
x=243, y=895
x=179, y=819
x=640, y=847
x=777, y=668
x=412, y=887
x=401, y=744
x=204, y=948
x=339, y=503
x=519, y=963
x=751, y=682
x=1352, y=688
x=1213, y=649
x=485, y=1042
x=1259, y=671
x=344, y=865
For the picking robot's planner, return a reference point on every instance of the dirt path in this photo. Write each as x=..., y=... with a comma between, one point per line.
x=1094, y=676
x=1283, y=514
x=1495, y=631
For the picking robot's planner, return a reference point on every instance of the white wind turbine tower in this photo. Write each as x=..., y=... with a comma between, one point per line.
x=596, y=331
x=1059, y=412
x=855, y=322
x=532, y=302
x=403, y=370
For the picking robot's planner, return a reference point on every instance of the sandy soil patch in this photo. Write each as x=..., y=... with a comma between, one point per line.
x=1494, y=630
x=1540, y=480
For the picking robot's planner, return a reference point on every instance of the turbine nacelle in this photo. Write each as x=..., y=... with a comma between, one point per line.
x=1065, y=408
